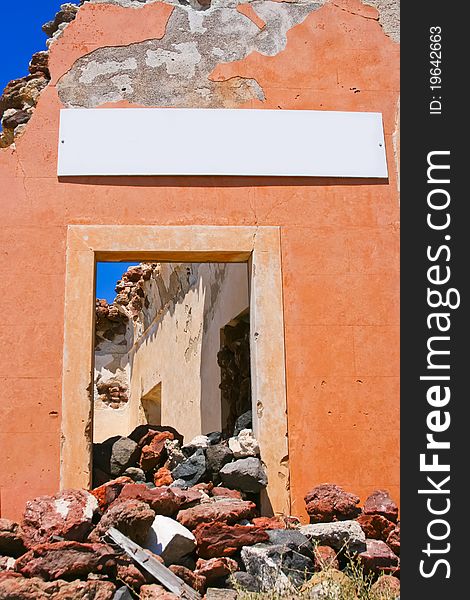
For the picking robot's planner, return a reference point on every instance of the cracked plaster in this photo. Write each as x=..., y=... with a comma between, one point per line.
x=175, y=70
x=389, y=16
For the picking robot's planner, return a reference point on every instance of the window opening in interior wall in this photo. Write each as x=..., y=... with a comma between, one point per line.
x=170, y=343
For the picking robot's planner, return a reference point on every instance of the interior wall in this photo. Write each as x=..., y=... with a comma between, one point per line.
x=173, y=343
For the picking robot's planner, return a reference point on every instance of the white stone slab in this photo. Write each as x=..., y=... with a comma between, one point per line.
x=246, y=142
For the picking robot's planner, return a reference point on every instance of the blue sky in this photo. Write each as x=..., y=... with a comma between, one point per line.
x=21, y=37
x=107, y=274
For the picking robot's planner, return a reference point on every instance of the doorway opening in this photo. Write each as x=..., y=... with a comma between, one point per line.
x=172, y=349
x=256, y=246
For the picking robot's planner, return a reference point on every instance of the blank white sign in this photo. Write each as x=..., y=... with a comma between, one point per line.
x=192, y=141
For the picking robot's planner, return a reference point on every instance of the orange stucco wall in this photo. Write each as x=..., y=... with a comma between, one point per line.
x=339, y=239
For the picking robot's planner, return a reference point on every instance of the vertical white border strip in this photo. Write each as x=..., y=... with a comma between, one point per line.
x=192, y=141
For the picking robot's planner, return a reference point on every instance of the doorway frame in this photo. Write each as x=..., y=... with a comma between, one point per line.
x=258, y=246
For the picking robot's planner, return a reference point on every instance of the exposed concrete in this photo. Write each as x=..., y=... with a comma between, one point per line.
x=389, y=16
x=174, y=71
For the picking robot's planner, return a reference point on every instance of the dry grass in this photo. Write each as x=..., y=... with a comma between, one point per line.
x=328, y=584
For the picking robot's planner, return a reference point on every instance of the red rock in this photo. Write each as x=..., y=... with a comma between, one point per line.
x=226, y=493
x=189, y=497
x=11, y=538
x=386, y=586
x=378, y=558
x=163, y=500
x=130, y=574
x=108, y=492
x=224, y=511
x=68, y=514
x=380, y=503
x=143, y=434
x=21, y=588
x=162, y=477
x=194, y=580
x=219, y=539
x=375, y=527
x=216, y=568
x=205, y=488
x=156, y=592
x=269, y=522
x=324, y=558
x=67, y=559
x=133, y=518
x=154, y=453
x=328, y=502
x=393, y=540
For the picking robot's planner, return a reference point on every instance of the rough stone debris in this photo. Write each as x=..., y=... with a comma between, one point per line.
x=35, y=588
x=220, y=539
x=376, y=527
x=192, y=578
x=293, y=539
x=244, y=444
x=338, y=534
x=11, y=538
x=247, y=474
x=66, y=560
x=380, y=503
x=275, y=553
x=223, y=510
x=324, y=557
x=327, y=502
x=133, y=518
x=378, y=557
x=68, y=515
x=277, y=567
x=169, y=539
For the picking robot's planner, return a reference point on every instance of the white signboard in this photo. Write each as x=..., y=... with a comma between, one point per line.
x=192, y=141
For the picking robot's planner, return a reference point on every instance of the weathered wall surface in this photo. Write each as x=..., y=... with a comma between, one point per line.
x=339, y=237
x=173, y=342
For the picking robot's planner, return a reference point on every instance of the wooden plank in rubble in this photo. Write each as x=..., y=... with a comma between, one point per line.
x=163, y=575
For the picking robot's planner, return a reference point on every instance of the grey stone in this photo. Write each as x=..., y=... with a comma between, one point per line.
x=192, y=470
x=245, y=581
x=170, y=540
x=293, y=539
x=214, y=437
x=219, y=594
x=124, y=454
x=338, y=535
x=276, y=568
x=246, y=474
x=123, y=593
x=135, y=474
x=217, y=456
x=200, y=441
x=244, y=421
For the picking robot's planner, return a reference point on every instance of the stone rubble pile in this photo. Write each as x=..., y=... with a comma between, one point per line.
x=195, y=508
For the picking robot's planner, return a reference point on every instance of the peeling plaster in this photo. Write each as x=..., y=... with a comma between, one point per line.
x=389, y=16
x=94, y=70
x=174, y=71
